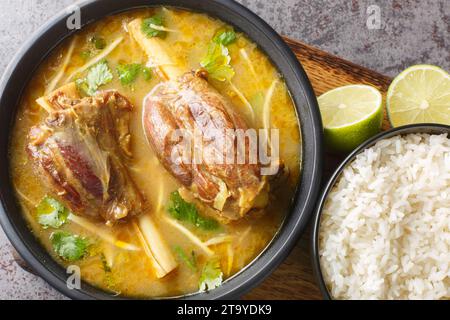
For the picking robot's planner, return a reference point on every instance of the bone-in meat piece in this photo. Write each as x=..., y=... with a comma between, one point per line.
x=80, y=149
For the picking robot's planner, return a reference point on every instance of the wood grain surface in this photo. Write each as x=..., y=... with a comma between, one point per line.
x=294, y=278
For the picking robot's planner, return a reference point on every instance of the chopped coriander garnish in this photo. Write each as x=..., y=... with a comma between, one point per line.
x=97, y=76
x=225, y=36
x=211, y=276
x=217, y=62
x=128, y=72
x=185, y=211
x=190, y=261
x=98, y=42
x=82, y=85
x=149, y=31
x=68, y=246
x=85, y=54
x=147, y=73
x=51, y=213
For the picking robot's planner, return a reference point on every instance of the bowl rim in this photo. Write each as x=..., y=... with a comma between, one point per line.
x=300, y=211
x=430, y=128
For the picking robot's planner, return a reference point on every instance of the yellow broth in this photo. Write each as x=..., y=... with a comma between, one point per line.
x=132, y=273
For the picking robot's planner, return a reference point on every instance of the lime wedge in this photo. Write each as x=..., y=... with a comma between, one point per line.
x=420, y=94
x=350, y=115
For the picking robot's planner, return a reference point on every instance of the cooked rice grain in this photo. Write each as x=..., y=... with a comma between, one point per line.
x=384, y=231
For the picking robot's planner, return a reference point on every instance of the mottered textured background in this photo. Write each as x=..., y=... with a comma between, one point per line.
x=411, y=32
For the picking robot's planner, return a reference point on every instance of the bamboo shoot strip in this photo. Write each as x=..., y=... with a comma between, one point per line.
x=218, y=240
x=244, y=100
x=267, y=105
x=267, y=109
x=249, y=62
x=199, y=243
x=156, y=51
x=158, y=251
x=161, y=28
x=160, y=196
x=69, y=90
x=26, y=198
x=55, y=81
x=101, y=233
x=103, y=54
x=109, y=255
x=158, y=269
x=230, y=258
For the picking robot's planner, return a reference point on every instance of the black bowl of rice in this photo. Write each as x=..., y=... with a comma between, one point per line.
x=382, y=224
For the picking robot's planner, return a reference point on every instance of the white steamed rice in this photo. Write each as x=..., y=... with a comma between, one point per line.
x=384, y=231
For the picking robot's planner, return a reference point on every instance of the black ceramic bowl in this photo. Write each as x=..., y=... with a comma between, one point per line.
x=49, y=36
x=414, y=128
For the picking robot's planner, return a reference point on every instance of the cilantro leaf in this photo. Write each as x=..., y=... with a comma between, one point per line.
x=149, y=23
x=217, y=62
x=191, y=261
x=68, y=246
x=85, y=54
x=225, y=36
x=82, y=85
x=51, y=213
x=128, y=72
x=185, y=211
x=147, y=73
x=98, y=75
x=211, y=276
x=98, y=42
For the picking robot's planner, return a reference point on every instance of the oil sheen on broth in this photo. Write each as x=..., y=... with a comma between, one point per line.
x=130, y=272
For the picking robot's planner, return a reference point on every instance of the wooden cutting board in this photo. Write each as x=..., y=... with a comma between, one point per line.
x=294, y=278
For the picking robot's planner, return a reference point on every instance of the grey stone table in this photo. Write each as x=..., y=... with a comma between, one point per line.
x=407, y=32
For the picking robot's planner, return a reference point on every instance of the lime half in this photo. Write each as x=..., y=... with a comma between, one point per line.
x=350, y=115
x=420, y=94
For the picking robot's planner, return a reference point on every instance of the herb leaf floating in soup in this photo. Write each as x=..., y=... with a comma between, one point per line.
x=128, y=72
x=190, y=261
x=97, y=76
x=150, y=27
x=68, y=246
x=147, y=73
x=217, y=62
x=98, y=42
x=185, y=211
x=51, y=213
x=94, y=45
x=211, y=276
x=225, y=36
x=85, y=54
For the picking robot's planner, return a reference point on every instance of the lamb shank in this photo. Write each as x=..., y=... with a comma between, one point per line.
x=80, y=150
x=187, y=102
x=191, y=105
